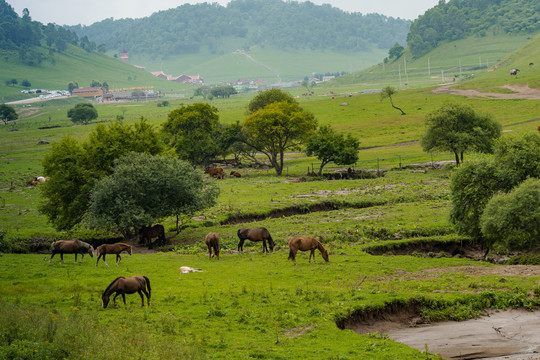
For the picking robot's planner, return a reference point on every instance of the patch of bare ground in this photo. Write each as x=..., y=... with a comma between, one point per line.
x=519, y=92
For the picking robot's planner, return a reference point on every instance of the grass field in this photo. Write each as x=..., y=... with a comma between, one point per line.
x=255, y=305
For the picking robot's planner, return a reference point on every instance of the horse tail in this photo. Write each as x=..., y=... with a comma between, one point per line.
x=147, y=284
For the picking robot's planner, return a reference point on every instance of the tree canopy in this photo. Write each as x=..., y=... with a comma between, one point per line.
x=278, y=127
x=330, y=146
x=82, y=113
x=457, y=128
x=74, y=168
x=7, y=113
x=144, y=188
x=268, y=97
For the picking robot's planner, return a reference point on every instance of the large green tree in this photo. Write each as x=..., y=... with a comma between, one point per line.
x=144, y=189
x=458, y=128
x=82, y=113
x=7, y=113
x=194, y=131
x=74, y=168
x=268, y=97
x=279, y=127
x=330, y=146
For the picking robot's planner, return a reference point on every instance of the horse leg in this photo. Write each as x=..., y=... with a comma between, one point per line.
x=62, y=257
x=118, y=259
x=98, y=259
x=124, y=298
x=142, y=297
x=265, y=249
x=104, y=260
x=241, y=245
x=209, y=252
x=114, y=300
x=82, y=258
x=312, y=254
x=52, y=257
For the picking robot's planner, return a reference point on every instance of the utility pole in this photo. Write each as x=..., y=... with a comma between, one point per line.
x=428, y=67
x=399, y=72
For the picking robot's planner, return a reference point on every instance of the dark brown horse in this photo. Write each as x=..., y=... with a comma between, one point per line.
x=236, y=174
x=73, y=246
x=212, y=242
x=259, y=234
x=305, y=244
x=117, y=248
x=147, y=233
x=131, y=285
x=216, y=172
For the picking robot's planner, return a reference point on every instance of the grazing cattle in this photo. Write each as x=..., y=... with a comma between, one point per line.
x=216, y=172
x=236, y=174
x=117, y=248
x=73, y=246
x=123, y=286
x=259, y=234
x=305, y=244
x=187, y=269
x=514, y=71
x=212, y=242
x=531, y=64
x=147, y=233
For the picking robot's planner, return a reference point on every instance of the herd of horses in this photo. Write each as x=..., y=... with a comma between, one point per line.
x=141, y=284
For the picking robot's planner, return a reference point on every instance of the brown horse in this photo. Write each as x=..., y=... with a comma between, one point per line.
x=259, y=234
x=73, y=246
x=305, y=244
x=236, y=174
x=131, y=285
x=212, y=242
x=147, y=233
x=117, y=248
x=216, y=172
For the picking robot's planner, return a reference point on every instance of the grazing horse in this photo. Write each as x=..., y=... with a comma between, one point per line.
x=122, y=286
x=147, y=233
x=305, y=244
x=212, y=242
x=236, y=174
x=216, y=172
x=259, y=234
x=117, y=248
x=73, y=246
x=514, y=71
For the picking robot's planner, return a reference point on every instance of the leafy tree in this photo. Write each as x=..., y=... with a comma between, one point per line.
x=203, y=91
x=26, y=83
x=193, y=132
x=74, y=168
x=396, y=51
x=457, y=128
x=474, y=183
x=278, y=127
x=144, y=188
x=329, y=146
x=11, y=82
x=268, y=97
x=72, y=86
x=7, y=113
x=512, y=220
x=388, y=92
x=82, y=113
x=223, y=91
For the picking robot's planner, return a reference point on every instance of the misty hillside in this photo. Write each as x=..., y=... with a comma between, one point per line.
x=190, y=29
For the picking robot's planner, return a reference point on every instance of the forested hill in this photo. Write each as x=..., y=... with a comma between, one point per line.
x=244, y=23
x=457, y=19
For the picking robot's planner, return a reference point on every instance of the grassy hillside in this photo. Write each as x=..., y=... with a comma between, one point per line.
x=268, y=63
x=79, y=66
x=461, y=59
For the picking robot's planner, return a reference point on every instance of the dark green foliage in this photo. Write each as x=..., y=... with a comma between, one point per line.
x=475, y=183
x=457, y=128
x=7, y=113
x=223, y=91
x=268, y=97
x=74, y=168
x=286, y=25
x=457, y=19
x=395, y=51
x=144, y=188
x=82, y=113
x=512, y=220
x=329, y=146
x=194, y=131
x=26, y=83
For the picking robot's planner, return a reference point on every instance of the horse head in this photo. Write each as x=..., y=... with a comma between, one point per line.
x=105, y=300
x=271, y=244
x=325, y=255
x=91, y=251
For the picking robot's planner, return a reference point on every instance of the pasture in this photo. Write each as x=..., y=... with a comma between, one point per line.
x=255, y=305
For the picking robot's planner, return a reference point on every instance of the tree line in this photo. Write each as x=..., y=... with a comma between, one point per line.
x=285, y=25
x=456, y=19
x=33, y=41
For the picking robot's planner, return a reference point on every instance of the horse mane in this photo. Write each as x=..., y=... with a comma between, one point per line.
x=320, y=246
x=111, y=284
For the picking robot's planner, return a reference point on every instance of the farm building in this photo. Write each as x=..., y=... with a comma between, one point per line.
x=90, y=92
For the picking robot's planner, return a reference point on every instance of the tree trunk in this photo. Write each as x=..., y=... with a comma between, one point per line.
x=457, y=158
x=395, y=107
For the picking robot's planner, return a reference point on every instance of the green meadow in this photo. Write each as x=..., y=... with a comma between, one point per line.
x=252, y=305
